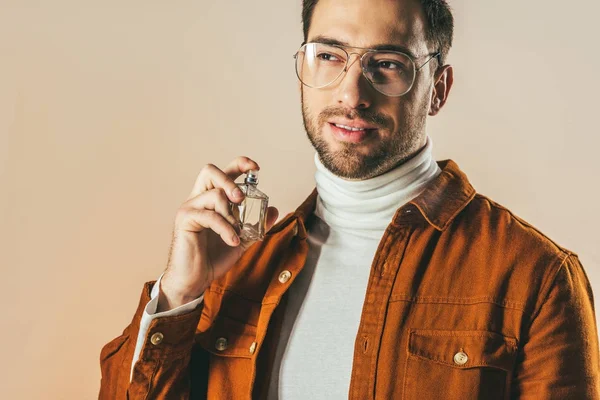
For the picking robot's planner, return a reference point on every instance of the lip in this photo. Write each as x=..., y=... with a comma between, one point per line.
x=353, y=124
x=344, y=135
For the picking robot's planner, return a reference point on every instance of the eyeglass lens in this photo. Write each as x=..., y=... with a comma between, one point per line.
x=319, y=65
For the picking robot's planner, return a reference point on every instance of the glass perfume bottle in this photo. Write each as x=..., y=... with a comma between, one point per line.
x=251, y=213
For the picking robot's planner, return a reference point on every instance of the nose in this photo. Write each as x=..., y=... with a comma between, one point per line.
x=354, y=91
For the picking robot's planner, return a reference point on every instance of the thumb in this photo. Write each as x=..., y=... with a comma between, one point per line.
x=272, y=214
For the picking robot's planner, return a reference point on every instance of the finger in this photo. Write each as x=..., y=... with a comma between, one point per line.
x=211, y=177
x=195, y=220
x=214, y=199
x=239, y=166
x=272, y=214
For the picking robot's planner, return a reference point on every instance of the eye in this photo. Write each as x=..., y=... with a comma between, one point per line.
x=327, y=57
x=390, y=65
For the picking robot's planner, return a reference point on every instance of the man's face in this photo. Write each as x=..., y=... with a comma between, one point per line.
x=397, y=124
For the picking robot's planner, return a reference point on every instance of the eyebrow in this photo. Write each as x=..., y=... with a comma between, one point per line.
x=393, y=47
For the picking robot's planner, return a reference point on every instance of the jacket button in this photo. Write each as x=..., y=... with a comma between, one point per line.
x=285, y=276
x=221, y=344
x=252, y=347
x=460, y=358
x=157, y=338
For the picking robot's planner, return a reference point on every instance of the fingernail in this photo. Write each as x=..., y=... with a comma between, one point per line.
x=237, y=193
x=235, y=239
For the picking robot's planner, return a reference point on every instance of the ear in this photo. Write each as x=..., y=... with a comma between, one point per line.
x=443, y=79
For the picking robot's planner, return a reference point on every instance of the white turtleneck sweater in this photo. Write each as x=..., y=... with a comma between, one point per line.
x=316, y=346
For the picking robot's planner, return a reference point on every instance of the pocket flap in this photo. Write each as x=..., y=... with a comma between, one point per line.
x=229, y=338
x=464, y=349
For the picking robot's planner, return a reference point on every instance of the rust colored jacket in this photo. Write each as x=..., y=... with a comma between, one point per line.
x=464, y=301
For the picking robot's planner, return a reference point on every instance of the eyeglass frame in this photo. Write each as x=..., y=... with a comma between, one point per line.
x=436, y=54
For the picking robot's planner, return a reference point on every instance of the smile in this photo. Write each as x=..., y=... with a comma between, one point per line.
x=350, y=134
x=349, y=128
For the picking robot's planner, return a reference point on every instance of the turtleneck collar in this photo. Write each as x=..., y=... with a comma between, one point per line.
x=365, y=208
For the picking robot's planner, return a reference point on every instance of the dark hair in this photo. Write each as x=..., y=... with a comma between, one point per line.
x=439, y=19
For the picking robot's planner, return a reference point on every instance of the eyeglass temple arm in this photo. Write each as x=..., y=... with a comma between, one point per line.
x=437, y=55
x=296, y=53
x=431, y=57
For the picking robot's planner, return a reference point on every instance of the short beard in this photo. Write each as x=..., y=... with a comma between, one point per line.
x=348, y=163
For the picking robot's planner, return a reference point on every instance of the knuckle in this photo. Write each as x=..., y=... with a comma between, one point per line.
x=227, y=182
x=221, y=195
x=181, y=213
x=207, y=169
x=203, y=217
x=180, y=217
x=216, y=222
x=185, y=214
x=213, y=196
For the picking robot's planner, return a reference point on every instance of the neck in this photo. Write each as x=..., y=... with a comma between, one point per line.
x=366, y=207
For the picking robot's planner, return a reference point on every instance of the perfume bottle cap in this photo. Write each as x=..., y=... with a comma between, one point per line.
x=252, y=177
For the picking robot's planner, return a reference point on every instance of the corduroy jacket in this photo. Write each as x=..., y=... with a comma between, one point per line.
x=464, y=301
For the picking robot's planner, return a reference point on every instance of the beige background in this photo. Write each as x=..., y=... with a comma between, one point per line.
x=109, y=109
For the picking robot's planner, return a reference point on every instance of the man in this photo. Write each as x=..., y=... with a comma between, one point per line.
x=394, y=279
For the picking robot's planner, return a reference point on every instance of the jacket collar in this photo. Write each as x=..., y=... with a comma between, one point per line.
x=441, y=201
x=445, y=197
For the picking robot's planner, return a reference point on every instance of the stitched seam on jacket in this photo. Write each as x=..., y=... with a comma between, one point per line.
x=437, y=361
x=459, y=333
x=510, y=341
x=521, y=221
x=151, y=379
x=109, y=354
x=222, y=290
x=459, y=301
x=172, y=356
x=546, y=288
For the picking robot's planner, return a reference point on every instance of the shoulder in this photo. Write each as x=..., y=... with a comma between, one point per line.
x=513, y=258
x=503, y=227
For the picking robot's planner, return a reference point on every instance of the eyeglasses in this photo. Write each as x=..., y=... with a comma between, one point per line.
x=390, y=72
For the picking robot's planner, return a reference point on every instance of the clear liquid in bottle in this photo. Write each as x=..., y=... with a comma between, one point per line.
x=251, y=213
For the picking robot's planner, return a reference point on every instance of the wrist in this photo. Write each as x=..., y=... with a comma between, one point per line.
x=169, y=299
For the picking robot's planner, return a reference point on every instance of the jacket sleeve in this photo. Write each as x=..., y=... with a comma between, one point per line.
x=559, y=350
x=163, y=368
x=150, y=313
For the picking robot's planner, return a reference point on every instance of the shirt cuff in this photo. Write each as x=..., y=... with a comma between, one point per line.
x=150, y=314
x=150, y=310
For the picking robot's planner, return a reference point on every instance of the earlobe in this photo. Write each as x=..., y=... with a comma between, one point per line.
x=434, y=108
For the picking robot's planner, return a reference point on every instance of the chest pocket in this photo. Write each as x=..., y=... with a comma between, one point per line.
x=228, y=337
x=458, y=365
x=230, y=347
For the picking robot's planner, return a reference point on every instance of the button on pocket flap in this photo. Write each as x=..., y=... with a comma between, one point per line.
x=464, y=349
x=229, y=338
